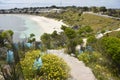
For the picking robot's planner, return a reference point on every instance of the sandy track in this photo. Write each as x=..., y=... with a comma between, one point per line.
x=78, y=69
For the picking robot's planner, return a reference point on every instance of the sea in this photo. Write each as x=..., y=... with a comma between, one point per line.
x=21, y=25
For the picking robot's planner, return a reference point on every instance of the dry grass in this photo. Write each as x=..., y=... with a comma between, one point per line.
x=99, y=23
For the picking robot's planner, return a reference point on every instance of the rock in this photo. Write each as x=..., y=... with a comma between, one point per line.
x=73, y=55
x=3, y=52
x=1, y=77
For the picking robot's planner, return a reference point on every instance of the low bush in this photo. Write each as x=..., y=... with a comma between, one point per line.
x=53, y=68
x=89, y=58
x=100, y=65
x=27, y=64
x=111, y=46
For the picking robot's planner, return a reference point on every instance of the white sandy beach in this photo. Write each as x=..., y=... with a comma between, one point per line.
x=32, y=24
x=48, y=25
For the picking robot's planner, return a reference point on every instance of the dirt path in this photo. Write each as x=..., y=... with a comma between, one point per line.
x=78, y=69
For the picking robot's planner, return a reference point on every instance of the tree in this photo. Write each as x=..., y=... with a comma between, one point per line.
x=102, y=9
x=113, y=12
x=45, y=39
x=94, y=9
x=80, y=41
x=91, y=40
x=109, y=12
x=88, y=29
x=63, y=39
x=54, y=34
x=63, y=27
x=8, y=36
x=54, y=39
x=71, y=41
x=70, y=33
x=53, y=6
x=111, y=49
x=1, y=39
x=31, y=39
x=85, y=8
x=85, y=31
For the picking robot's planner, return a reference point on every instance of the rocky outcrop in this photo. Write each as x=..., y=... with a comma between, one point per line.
x=3, y=52
x=1, y=77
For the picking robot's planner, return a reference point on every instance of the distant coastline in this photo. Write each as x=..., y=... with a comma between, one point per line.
x=61, y=3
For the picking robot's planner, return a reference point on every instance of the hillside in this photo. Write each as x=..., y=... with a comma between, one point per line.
x=99, y=23
x=74, y=17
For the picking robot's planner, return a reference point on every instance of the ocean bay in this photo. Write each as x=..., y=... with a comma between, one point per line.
x=20, y=24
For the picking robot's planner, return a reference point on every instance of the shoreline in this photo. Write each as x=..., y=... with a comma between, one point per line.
x=47, y=24
x=43, y=25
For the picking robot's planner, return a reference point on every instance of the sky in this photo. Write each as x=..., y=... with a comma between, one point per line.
x=7, y=4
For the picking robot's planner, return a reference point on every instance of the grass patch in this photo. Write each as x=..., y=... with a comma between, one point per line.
x=99, y=23
x=73, y=18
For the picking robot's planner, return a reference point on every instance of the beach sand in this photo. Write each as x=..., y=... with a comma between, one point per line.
x=46, y=24
x=35, y=24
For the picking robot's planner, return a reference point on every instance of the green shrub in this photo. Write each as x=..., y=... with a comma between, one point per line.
x=89, y=58
x=27, y=64
x=84, y=57
x=100, y=66
x=111, y=46
x=53, y=68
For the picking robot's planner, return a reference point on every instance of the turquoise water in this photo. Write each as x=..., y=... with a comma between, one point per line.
x=21, y=25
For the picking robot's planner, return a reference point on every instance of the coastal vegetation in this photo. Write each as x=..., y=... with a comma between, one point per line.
x=100, y=65
x=6, y=36
x=105, y=56
x=69, y=38
x=102, y=60
x=5, y=42
x=56, y=9
x=99, y=23
x=101, y=55
x=75, y=17
x=25, y=54
x=53, y=68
